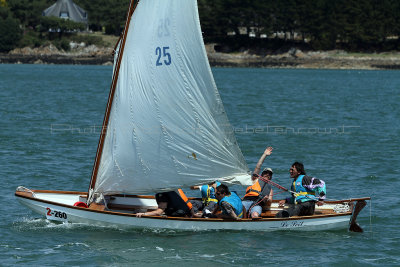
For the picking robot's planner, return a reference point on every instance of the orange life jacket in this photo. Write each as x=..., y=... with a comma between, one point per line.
x=253, y=190
x=184, y=197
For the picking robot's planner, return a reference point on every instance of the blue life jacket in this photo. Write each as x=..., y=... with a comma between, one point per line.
x=302, y=194
x=208, y=193
x=235, y=202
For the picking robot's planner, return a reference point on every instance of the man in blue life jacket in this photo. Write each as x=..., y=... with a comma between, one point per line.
x=229, y=203
x=307, y=191
x=208, y=201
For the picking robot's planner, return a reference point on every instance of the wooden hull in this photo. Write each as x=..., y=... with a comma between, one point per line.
x=58, y=205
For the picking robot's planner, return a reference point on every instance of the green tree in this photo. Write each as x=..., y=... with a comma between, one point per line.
x=326, y=24
x=9, y=30
x=61, y=26
x=29, y=12
x=378, y=21
x=396, y=17
x=110, y=14
x=264, y=10
x=233, y=15
x=323, y=23
x=211, y=25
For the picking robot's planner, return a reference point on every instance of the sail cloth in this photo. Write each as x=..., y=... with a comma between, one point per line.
x=167, y=128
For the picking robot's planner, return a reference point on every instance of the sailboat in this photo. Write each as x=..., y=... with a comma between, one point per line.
x=165, y=128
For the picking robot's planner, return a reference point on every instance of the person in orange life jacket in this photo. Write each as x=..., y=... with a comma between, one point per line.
x=229, y=203
x=172, y=203
x=260, y=193
x=308, y=192
x=208, y=203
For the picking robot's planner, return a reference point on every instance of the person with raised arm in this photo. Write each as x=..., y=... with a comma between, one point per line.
x=259, y=194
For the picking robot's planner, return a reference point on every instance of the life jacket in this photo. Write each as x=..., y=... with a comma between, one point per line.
x=184, y=197
x=258, y=189
x=176, y=206
x=253, y=190
x=302, y=194
x=235, y=202
x=208, y=193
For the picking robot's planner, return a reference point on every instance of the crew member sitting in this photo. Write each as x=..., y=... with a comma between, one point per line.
x=307, y=192
x=258, y=195
x=229, y=204
x=208, y=201
x=172, y=203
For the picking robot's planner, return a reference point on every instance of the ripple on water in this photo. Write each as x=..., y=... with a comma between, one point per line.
x=360, y=162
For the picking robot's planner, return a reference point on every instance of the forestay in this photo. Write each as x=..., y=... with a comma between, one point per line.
x=167, y=127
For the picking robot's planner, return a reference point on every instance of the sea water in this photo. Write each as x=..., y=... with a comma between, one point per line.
x=344, y=125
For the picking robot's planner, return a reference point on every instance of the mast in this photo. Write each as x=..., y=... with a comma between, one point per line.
x=132, y=7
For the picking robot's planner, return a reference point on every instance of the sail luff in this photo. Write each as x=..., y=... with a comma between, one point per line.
x=132, y=7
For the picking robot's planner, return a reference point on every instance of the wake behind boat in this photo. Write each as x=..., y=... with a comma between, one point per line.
x=165, y=128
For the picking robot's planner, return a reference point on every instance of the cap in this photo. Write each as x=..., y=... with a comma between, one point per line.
x=268, y=169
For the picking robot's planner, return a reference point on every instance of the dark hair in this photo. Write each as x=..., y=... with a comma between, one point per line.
x=223, y=189
x=299, y=167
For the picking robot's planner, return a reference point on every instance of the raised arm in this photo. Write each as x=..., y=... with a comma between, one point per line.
x=267, y=152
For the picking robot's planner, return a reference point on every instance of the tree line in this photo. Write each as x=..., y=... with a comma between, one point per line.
x=318, y=24
x=366, y=25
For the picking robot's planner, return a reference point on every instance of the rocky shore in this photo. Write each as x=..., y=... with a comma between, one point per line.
x=294, y=58
x=80, y=54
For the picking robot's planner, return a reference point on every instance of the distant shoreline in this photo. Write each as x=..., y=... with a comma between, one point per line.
x=296, y=59
x=55, y=59
x=308, y=60
x=305, y=63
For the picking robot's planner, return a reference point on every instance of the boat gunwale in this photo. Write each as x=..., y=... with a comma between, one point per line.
x=26, y=196
x=152, y=197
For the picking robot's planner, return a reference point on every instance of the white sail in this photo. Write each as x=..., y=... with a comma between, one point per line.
x=167, y=128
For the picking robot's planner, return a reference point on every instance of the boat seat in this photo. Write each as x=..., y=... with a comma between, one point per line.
x=83, y=198
x=269, y=213
x=95, y=206
x=129, y=207
x=324, y=212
